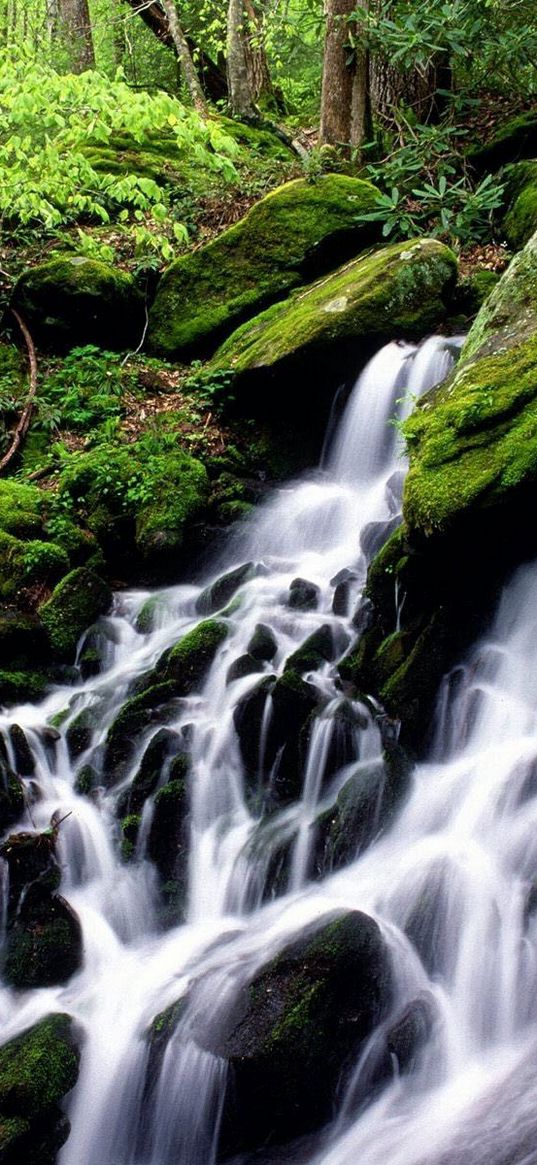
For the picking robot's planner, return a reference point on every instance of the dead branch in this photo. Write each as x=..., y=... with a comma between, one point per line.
x=26, y=415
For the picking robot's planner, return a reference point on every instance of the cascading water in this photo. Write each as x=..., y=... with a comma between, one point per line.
x=449, y=882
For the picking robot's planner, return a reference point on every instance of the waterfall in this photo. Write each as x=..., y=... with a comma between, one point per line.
x=450, y=881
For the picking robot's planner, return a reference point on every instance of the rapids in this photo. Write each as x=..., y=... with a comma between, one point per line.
x=449, y=882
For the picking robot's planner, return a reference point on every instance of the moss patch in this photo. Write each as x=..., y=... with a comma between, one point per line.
x=520, y=221
x=297, y=231
x=38, y=1068
x=75, y=603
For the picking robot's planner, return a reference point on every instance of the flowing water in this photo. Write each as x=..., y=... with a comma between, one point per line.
x=449, y=883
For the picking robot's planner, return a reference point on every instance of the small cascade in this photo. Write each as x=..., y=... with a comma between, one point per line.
x=202, y=828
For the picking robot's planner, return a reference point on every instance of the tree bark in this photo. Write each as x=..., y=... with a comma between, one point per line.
x=186, y=63
x=240, y=90
x=74, y=26
x=338, y=76
x=256, y=57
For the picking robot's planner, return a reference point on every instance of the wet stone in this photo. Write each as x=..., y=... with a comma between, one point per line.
x=303, y=595
x=263, y=644
x=24, y=758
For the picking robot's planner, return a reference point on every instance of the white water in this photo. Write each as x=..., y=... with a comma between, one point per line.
x=452, y=875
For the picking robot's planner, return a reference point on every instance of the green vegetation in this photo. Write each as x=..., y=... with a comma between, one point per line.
x=75, y=603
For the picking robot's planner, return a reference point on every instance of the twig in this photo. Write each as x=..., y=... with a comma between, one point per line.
x=26, y=415
x=141, y=344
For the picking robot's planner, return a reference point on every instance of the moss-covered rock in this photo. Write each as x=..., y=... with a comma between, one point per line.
x=23, y=755
x=133, y=500
x=20, y=687
x=516, y=139
x=520, y=221
x=295, y=1029
x=473, y=469
x=216, y=596
x=11, y=797
x=44, y=937
x=38, y=1068
x=189, y=661
x=297, y=232
x=163, y=746
x=72, y=300
x=123, y=736
x=74, y=604
x=397, y=291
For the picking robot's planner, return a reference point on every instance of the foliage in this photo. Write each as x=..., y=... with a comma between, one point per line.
x=84, y=390
x=453, y=210
x=45, y=121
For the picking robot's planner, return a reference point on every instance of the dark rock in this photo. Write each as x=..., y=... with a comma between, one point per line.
x=322, y=646
x=294, y=702
x=245, y=665
x=295, y=1030
x=24, y=758
x=343, y=584
x=164, y=745
x=263, y=644
x=248, y=719
x=189, y=661
x=80, y=732
x=303, y=595
x=218, y=594
x=11, y=797
x=44, y=936
x=87, y=781
x=124, y=734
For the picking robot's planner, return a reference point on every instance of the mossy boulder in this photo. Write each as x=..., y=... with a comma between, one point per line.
x=473, y=470
x=216, y=596
x=296, y=1029
x=164, y=745
x=516, y=139
x=136, y=715
x=37, y=1069
x=398, y=291
x=520, y=221
x=189, y=661
x=44, y=937
x=12, y=800
x=136, y=501
x=71, y=301
x=75, y=603
x=293, y=234
x=20, y=687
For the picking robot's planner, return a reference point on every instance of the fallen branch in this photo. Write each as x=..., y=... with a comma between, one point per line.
x=26, y=415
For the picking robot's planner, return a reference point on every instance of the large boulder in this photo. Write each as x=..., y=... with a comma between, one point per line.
x=471, y=484
x=37, y=1069
x=520, y=221
x=296, y=1029
x=330, y=327
x=297, y=232
x=515, y=139
x=71, y=301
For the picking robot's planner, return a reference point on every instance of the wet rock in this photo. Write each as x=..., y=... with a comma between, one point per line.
x=189, y=661
x=248, y=719
x=80, y=732
x=263, y=644
x=37, y=1070
x=398, y=1047
x=44, y=937
x=245, y=665
x=24, y=758
x=294, y=702
x=87, y=781
x=295, y=1030
x=322, y=646
x=218, y=594
x=124, y=734
x=168, y=845
x=303, y=595
x=97, y=643
x=11, y=798
x=343, y=584
x=164, y=745
x=130, y=828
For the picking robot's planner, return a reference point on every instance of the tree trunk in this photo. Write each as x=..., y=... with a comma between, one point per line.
x=256, y=57
x=74, y=26
x=338, y=76
x=213, y=78
x=414, y=88
x=186, y=63
x=240, y=91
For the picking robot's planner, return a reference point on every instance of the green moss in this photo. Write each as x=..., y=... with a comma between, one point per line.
x=395, y=291
x=296, y=231
x=20, y=509
x=44, y=561
x=38, y=1068
x=135, y=715
x=510, y=313
x=520, y=221
x=476, y=442
x=11, y=1130
x=191, y=658
x=19, y=687
x=75, y=603
x=134, y=499
x=71, y=301
x=130, y=828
